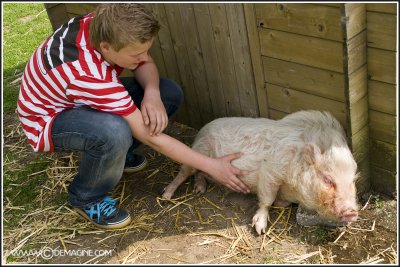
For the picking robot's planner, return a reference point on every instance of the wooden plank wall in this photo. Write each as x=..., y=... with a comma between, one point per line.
x=302, y=53
x=381, y=34
x=302, y=56
x=204, y=47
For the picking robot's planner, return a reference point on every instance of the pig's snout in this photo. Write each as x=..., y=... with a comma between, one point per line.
x=349, y=216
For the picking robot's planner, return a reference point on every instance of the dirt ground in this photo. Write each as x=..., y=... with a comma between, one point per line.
x=214, y=228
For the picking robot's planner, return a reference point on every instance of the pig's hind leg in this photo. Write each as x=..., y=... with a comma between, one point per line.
x=200, y=182
x=182, y=176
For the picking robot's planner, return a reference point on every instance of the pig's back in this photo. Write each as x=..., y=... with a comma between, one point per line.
x=233, y=134
x=315, y=126
x=225, y=136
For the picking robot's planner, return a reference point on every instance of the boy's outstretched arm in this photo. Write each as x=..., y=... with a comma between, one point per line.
x=220, y=169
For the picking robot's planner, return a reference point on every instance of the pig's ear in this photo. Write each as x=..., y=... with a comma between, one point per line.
x=312, y=154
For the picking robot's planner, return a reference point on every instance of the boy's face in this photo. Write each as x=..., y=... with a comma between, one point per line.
x=128, y=57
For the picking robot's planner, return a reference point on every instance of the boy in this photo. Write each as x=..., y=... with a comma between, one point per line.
x=71, y=99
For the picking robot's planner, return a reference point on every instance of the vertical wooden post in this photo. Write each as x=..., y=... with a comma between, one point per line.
x=353, y=20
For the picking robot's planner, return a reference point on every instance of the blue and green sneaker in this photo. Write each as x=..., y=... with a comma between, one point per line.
x=105, y=214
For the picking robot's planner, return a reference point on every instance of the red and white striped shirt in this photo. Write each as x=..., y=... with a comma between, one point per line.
x=67, y=72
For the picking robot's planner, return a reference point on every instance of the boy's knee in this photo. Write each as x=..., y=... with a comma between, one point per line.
x=117, y=133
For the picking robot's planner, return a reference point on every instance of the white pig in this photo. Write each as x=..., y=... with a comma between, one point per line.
x=302, y=158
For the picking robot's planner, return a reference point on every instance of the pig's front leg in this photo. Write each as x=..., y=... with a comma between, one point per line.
x=267, y=189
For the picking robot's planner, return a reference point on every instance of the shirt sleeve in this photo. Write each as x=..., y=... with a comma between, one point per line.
x=107, y=96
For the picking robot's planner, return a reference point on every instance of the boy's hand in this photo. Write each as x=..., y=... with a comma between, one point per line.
x=153, y=112
x=226, y=174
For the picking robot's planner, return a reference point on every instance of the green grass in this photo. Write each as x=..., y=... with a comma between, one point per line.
x=377, y=201
x=25, y=26
x=20, y=187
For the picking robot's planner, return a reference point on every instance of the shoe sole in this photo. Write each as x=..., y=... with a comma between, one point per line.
x=113, y=226
x=139, y=168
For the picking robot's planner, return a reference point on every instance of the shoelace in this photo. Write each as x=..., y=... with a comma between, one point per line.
x=106, y=206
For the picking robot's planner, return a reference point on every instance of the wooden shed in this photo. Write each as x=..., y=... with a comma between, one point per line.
x=272, y=59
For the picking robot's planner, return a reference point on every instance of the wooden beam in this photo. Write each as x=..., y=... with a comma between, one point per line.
x=311, y=51
x=383, y=155
x=316, y=81
x=382, y=65
x=381, y=30
x=305, y=19
x=355, y=75
x=289, y=101
x=382, y=97
x=355, y=19
x=383, y=126
x=383, y=7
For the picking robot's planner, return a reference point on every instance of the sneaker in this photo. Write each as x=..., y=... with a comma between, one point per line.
x=135, y=163
x=105, y=215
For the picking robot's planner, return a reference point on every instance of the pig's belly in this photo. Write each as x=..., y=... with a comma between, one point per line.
x=251, y=181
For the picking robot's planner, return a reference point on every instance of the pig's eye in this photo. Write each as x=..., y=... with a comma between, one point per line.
x=329, y=181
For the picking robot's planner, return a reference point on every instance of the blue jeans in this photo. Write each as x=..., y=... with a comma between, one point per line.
x=104, y=140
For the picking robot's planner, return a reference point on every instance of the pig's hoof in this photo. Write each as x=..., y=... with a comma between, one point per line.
x=200, y=188
x=260, y=223
x=200, y=183
x=167, y=194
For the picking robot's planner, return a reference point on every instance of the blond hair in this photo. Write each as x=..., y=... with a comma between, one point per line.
x=122, y=24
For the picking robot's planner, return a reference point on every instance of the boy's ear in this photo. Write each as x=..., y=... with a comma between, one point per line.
x=105, y=47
